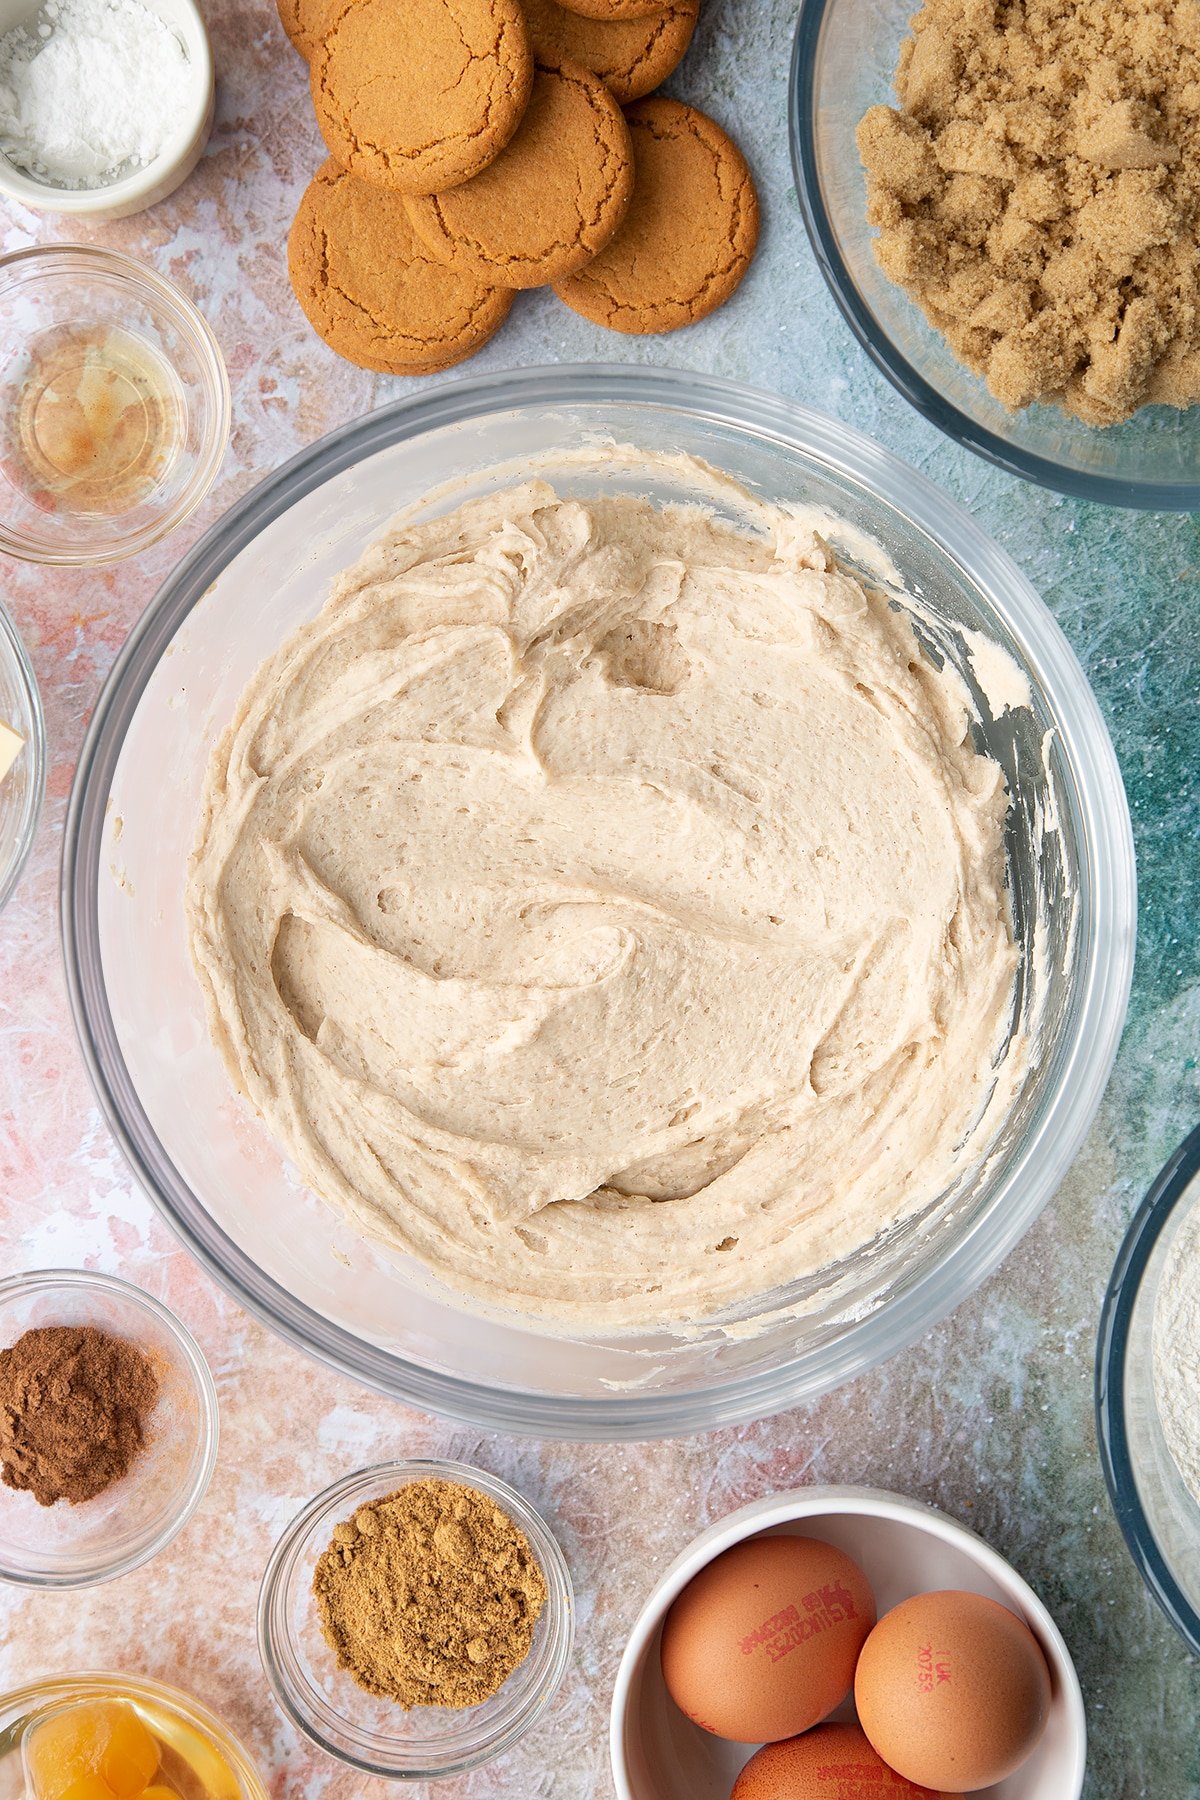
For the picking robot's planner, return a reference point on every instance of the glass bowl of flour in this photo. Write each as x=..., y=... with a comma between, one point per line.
x=1147, y=1389
x=606, y=439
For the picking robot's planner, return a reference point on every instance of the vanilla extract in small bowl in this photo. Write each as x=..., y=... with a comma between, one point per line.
x=101, y=418
x=114, y=406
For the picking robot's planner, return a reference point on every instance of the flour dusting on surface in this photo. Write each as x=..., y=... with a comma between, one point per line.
x=1177, y=1348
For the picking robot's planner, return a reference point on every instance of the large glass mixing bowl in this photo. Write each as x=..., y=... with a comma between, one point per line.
x=213, y=1168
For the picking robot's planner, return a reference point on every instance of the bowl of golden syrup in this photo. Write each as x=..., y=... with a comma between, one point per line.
x=118, y=1737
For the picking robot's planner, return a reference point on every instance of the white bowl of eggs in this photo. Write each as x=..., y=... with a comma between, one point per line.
x=843, y=1641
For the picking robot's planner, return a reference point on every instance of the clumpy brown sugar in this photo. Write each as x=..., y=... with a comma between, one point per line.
x=1038, y=194
x=430, y=1596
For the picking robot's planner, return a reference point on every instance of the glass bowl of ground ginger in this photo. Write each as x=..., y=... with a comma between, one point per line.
x=108, y=1428
x=416, y=1619
x=1006, y=206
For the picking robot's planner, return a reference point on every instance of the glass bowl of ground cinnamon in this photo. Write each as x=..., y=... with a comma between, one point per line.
x=108, y=1427
x=416, y=1619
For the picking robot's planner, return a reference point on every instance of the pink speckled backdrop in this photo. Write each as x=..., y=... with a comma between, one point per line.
x=989, y=1416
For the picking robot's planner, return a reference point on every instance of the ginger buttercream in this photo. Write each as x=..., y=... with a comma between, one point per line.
x=605, y=907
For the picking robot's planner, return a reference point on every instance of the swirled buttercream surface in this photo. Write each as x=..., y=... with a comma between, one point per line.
x=605, y=906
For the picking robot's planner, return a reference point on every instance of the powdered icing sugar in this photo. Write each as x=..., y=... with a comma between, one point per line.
x=89, y=90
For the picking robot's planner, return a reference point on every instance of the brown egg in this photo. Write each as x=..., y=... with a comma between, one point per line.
x=762, y=1643
x=953, y=1690
x=830, y=1763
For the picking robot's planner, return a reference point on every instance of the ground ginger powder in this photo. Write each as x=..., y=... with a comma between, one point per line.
x=429, y=1597
x=1038, y=194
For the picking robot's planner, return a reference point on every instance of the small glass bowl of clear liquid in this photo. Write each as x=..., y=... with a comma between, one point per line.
x=114, y=406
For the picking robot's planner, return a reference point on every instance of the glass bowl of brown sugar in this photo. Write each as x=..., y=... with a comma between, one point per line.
x=108, y=1428
x=416, y=1619
x=843, y=63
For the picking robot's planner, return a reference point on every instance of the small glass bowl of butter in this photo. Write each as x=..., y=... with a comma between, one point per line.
x=22, y=756
x=114, y=406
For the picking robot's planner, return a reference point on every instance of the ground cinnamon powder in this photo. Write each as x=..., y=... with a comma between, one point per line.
x=430, y=1596
x=1038, y=194
x=73, y=1403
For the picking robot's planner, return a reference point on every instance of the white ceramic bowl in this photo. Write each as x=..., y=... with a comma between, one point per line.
x=904, y=1548
x=183, y=149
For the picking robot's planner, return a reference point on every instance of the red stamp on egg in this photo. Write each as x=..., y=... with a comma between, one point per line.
x=785, y=1631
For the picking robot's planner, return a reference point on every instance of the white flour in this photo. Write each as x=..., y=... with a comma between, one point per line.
x=1177, y=1350
x=89, y=89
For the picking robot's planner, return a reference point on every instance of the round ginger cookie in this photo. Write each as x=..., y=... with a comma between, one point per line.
x=631, y=56
x=419, y=95
x=689, y=234
x=304, y=22
x=371, y=289
x=551, y=200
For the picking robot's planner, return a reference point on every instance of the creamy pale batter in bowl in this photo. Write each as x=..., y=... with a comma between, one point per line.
x=605, y=906
x=522, y=1334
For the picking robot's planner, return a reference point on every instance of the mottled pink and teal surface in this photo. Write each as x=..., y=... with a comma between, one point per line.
x=990, y=1416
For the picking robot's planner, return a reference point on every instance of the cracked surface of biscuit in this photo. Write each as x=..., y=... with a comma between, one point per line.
x=614, y=9
x=631, y=56
x=304, y=22
x=552, y=200
x=690, y=232
x=420, y=94
x=373, y=291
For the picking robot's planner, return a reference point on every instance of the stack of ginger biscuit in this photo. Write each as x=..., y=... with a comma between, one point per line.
x=478, y=147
